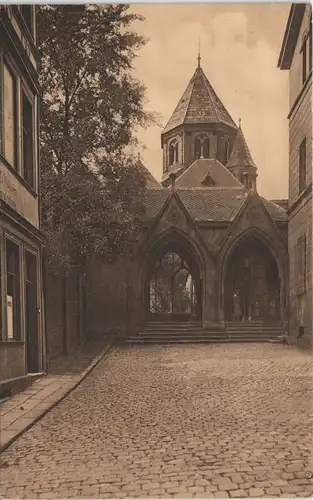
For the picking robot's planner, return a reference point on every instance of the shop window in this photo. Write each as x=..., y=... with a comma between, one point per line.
x=28, y=140
x=10, y=116
x=13, y=291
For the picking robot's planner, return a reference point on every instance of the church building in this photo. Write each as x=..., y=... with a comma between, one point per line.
x=210, y=263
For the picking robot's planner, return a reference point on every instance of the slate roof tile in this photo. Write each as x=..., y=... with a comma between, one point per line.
x=196, y=173
x=199, y=104
x=209, y=203
x=240, y=154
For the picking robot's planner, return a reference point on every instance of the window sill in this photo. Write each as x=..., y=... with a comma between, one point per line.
x=18, y=176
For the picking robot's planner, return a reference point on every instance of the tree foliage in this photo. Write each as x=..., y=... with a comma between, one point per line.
x=91, y=105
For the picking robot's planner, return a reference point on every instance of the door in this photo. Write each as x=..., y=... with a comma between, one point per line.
x=31, y=309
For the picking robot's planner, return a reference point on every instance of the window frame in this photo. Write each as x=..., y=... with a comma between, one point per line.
x=306, y=55
x=302, y=166
x=173, y=152
x=21, y=88
x=5, y=61
x=31, y=100
x=30, y=29
x=301, y=263
x=16, y=337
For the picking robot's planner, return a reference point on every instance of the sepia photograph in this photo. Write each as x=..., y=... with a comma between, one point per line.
x=156, y=250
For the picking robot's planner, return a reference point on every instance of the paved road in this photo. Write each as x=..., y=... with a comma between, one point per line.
x=182, y=421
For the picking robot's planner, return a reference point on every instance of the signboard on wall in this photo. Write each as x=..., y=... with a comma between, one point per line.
x=10, y=329
x=17, y=196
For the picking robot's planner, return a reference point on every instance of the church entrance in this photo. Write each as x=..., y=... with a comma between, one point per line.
x=252, y=284
x=174, y=291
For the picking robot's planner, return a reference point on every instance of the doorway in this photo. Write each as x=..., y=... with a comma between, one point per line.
x=31, y=312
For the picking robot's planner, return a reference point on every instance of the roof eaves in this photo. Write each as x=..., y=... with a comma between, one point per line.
x=291, y=35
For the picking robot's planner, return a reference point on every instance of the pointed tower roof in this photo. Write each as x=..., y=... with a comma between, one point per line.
x=240, y=155
x=150, y=179
x=199, y=104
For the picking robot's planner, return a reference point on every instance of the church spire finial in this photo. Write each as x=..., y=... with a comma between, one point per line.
x=199, y=56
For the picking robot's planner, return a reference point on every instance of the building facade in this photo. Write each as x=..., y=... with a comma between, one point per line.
x=22, y=347
x=211, y=249
x=296, y=57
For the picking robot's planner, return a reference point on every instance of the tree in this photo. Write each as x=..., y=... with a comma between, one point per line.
x=92, y=190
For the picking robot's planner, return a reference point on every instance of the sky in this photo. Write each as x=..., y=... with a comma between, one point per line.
x=240, y=45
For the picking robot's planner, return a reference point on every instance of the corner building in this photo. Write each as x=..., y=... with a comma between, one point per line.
x=296, y=57
x=22, y=350
x=211, y=252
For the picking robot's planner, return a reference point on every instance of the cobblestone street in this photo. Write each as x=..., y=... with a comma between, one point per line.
x=180, y=421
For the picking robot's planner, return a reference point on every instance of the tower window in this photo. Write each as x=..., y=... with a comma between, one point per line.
x=206, y=148
x=226, y=151
x=197, y=149
x=173, y=153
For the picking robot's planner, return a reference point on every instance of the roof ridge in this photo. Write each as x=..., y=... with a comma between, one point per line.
x=181, y=100
x=208, y=85
x=192, y=83
x=273, y=203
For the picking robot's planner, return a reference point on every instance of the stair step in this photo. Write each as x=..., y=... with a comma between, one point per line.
x=198, y=341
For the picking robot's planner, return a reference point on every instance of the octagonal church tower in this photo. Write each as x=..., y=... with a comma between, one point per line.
x=201, y=127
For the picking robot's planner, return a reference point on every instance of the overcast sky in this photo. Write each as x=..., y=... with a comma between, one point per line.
x=240, y=45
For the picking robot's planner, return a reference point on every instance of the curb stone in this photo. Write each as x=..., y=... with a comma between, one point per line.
x=82, y=376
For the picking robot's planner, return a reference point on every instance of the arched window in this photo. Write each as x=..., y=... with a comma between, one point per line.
x=197, y=149
x=173, y=153
x=176, y=153
x=206, y=148
x=226, y=151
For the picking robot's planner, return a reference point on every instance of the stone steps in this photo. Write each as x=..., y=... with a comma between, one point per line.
x=193, y=332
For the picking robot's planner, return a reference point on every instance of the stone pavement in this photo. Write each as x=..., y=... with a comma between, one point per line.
x=174, y=421
x=22, y=410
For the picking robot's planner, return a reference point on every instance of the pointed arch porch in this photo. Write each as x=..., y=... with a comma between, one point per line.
x=172, y=245
x=268, y=256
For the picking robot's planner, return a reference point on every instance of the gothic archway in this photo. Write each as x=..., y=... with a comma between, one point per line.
x=252, y=283
x=173, y=286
